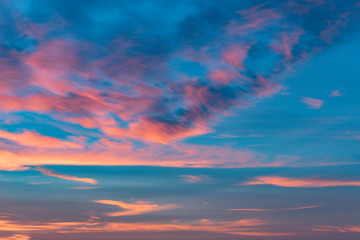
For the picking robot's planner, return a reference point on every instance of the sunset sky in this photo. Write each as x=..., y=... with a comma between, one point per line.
x=179, y=119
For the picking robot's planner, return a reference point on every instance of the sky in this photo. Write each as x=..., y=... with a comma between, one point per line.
x=181, y=119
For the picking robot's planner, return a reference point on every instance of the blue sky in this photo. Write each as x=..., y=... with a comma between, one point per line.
x=179, y=119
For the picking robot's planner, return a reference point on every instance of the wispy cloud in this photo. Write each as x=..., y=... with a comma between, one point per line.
x=313, y=102
x=300, y=182
x=244, y=227
x=136, y=208
x=16, y=237
x=336, y=93
x=271, y=210
x=39, y=183
x=85, y=188
x=179, y=155
x=51, y=173
x=342, y=229
x=238, y=136
x=195, y=178
x=33, y=139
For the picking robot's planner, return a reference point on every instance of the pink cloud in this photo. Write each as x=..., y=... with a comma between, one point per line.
x=52, y=64
x=236, y=55
x=342, y=229
x=156, y=131
x=266, y=88
x=348, y=135
x=33, y=139
x=45, y=103
x=224, y=76
x=65, y=81
x=328, y=34
x=238, y=136
x=51, y=173
x=104, y=154
x=336, y=93
x=300, y=182
x=256, y=19
x=195, y=178
x=12, y=76
x=313, y=102
x=286, y=42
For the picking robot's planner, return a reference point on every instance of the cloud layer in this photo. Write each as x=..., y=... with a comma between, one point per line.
x=114, y=72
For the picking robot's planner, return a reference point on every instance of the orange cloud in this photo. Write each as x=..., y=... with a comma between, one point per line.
x=16, y=237
x=139, y=207
x=15, y=226
x=49, y=172
x=246, y=227
x=300, y=182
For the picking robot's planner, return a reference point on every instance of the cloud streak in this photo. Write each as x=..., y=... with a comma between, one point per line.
x=16, y=237
x=136, y=208
x=244, y=227
x=312, y=102
x=271, y=210
x=118, y=154
x=195, y=178
x=342, y=229
x=51, y=173
x=300, y=182
x=32, y=139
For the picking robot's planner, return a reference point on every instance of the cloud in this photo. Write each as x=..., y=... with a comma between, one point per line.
x=33, y=139
x=238, y=136
x=117, y=154
x=15, y=226
x=39, y=183
x=95, y=71
x=51, y=64
x=85, y=188
x=244, y=227
x=312, y=102
x=16, y=237
x=51, y=173
x=336, y=93
x=342, y=229
x=195, y=178
x=156, y=130
x=348, y=135
x=136, y=208
x=271, y=210
x=300, y=182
